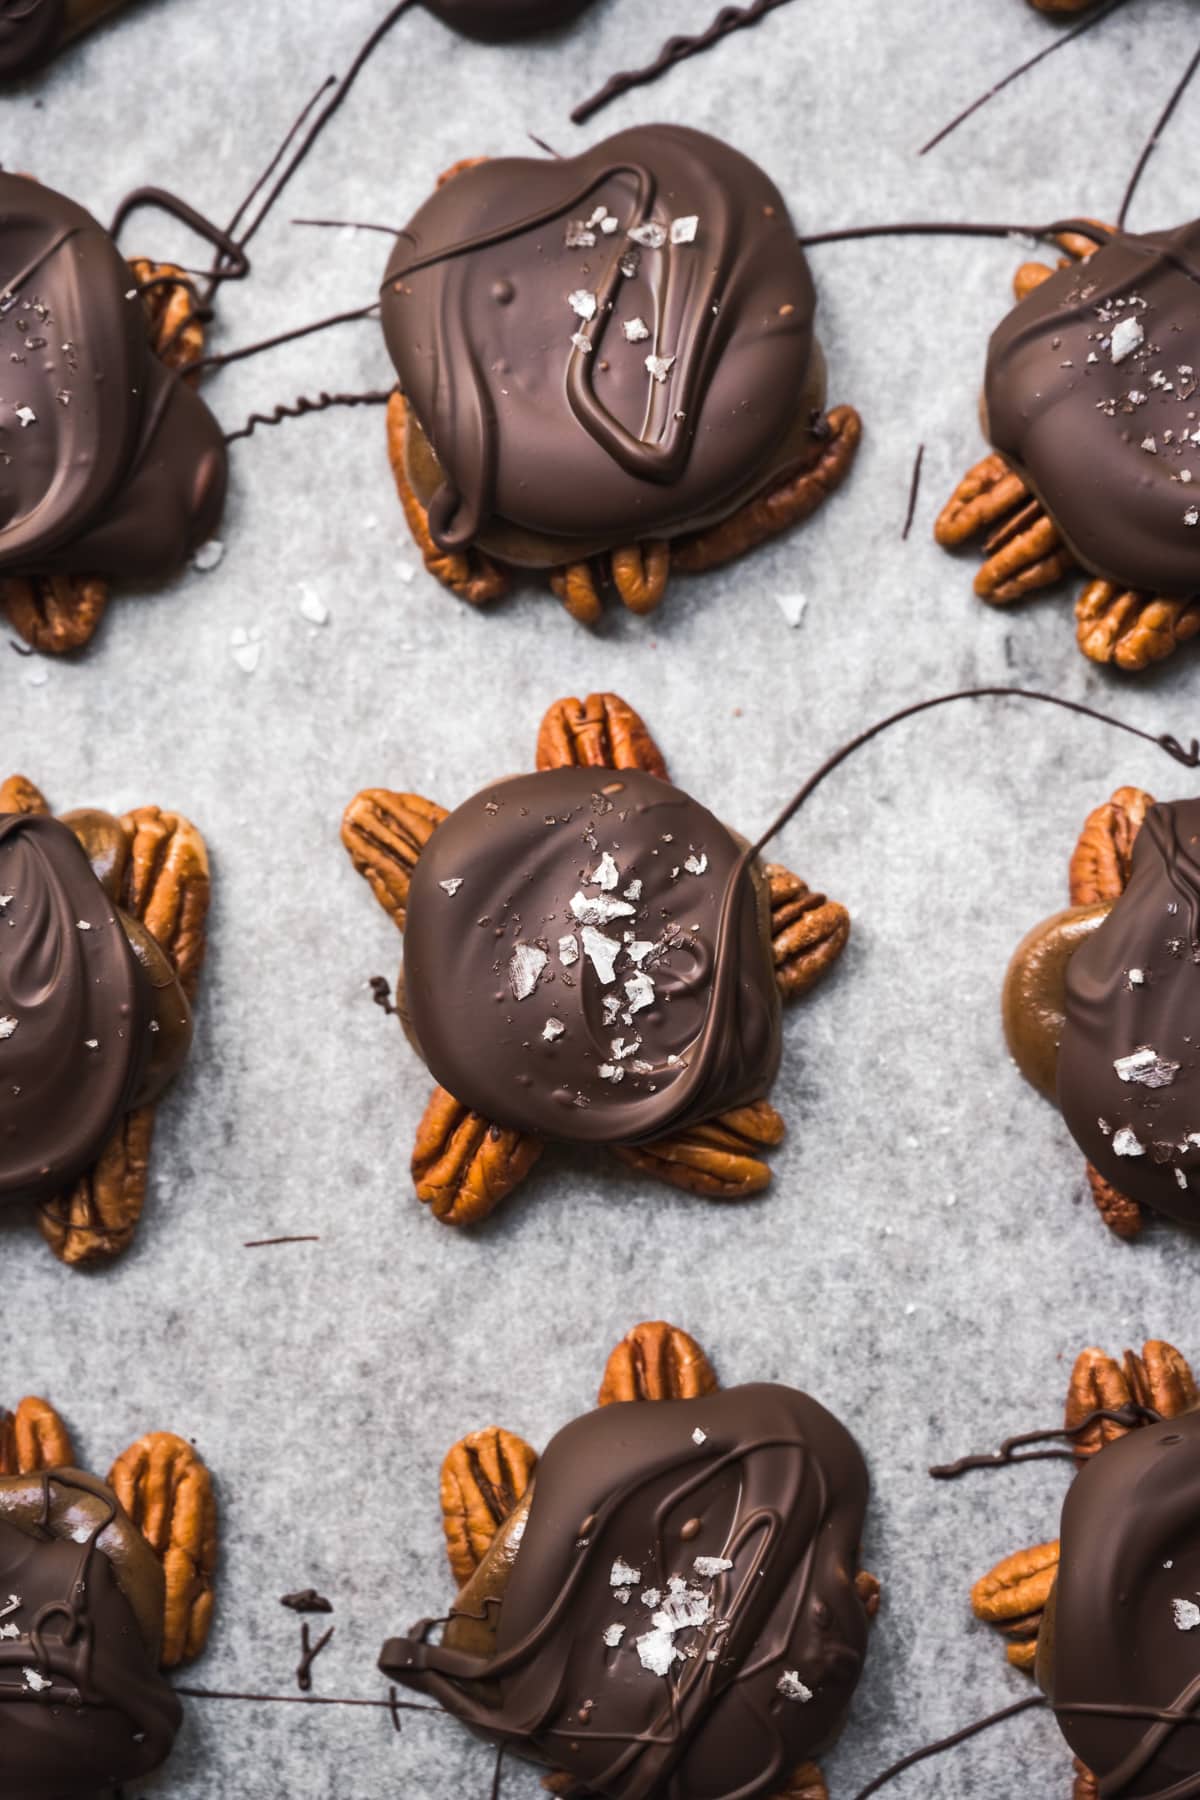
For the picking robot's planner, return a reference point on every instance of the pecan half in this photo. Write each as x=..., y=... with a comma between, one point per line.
x=778, y=508
x=601, y=732
x=18, y=795
x=575, y=584
x=867, y=1587
x=468, y=573
x=167, y=885
x=1013, y=1596
x=385, y=833
x=167, y=1491
x=640, y=574
x=170, y=303
x=1131, y=629
x=808, y=932
x=32, y=1439
x=484, y=1479
x=657, y=1361
x=1028, y=278
x=1028, y=558
x=1122, y=1215
x=54, y=613
x=1103, y=856
x=1086, y=1786
x=985, y=495
x=462, y=1165
x=1160, y=1377
x=96, y=1221
x=807, y=1783
x=717, y=1159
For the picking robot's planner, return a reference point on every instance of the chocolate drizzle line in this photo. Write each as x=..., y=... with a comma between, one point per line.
x=1034, y=1703
x=267, y=1243
x=309, y=1652
x=305, y=404
x=951, y=228
x=913, y=491
x=1009, y=1452
x=1022, y=69
x=676, y=50
x=1151, y=143
x=393, y=1704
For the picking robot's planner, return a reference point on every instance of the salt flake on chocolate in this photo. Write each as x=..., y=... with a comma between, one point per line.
x=525, y=965
x=568, y=950
x=683, y=231
x=613, y=1636
x=1125, y=1143
x=711, y=1566
x=606, y=874
x=650, y=236
x=37, y=1683
x=792, y=1688
x=553, y=1028
x=451, y=886
x=1187, y=1614
x=639, y=991
x=1127, y=334
x=623, y=1575
x=7, y=1027
x=696, y=865
x=660, y=367
x=598, y=909
x=1146, y=1067
x=583, y=303
x=636, y=330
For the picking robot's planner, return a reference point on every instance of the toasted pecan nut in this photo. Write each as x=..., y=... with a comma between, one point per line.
x=462, y=1165
x=1129, y=629
x=778, y=508
x=1161, y=1377
x=19, y=795
x=167, y=1491
x=168, y=887
x=869, y=1591
x=716, y=1159
x=1103, y=857
x=96, y=1221
x=171, y=305
x=1032, y=558
x=54, y=613
x=601, y=732
x=1086, y=1786
x=470, y=574
x=1018, y=1588
x=385, y=834
x=484, y=1479
x=985, y=495
x=807, y=1783
x=640, y=574
x=576, y=586
x=1122, y=1215
x=32, y=1439
x=1028, y=278
x=808, y=932
x=657, y=1361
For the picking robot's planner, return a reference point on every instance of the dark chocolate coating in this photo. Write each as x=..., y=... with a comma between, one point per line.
x=29, y=31
x=66, y=989
x=1079, y=427
x=1142, y=1132
x=109, y=463
x=1130, y=1549
x=82, y=1706
x=778, y=1487
x=530, y=429
x=496, y=21
x=522, y=851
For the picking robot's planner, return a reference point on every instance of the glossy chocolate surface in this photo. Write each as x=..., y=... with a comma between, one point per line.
x=1092, y=394
x=82, y=1705
x=1121, y=1646
x=498, y=20
x=76, y=1008
x=1129, y=1062
x=705, y=1682
x=520, y=313
x=29, y=31
x=109, y=463
x=571, y=967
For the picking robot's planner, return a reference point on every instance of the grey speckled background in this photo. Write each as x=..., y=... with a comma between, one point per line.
x=925, y=1262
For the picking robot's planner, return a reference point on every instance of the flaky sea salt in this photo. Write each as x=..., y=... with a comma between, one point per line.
x=792, y=1688
x=1146, y=1067
x=525, y=965
x=1127, y=334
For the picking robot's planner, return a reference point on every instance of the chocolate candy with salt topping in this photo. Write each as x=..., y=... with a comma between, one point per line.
x=686, y=1567
x=110, y=464
x=82, y=1703
x=601, y=349
x=1119, y=1645
x=587, y=957
x=1129, y=1061
x=1092, y=394
x=496, y=21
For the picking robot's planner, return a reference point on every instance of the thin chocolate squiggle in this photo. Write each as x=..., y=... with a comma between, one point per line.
x=949, y=1743
x=1151, y=144
x=300, y=409
x=1129, y=1416
x=675, y=50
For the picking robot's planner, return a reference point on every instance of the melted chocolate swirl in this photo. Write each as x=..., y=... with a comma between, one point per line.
x=708, y=1679
x=109, y=463
x=75, y=1009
